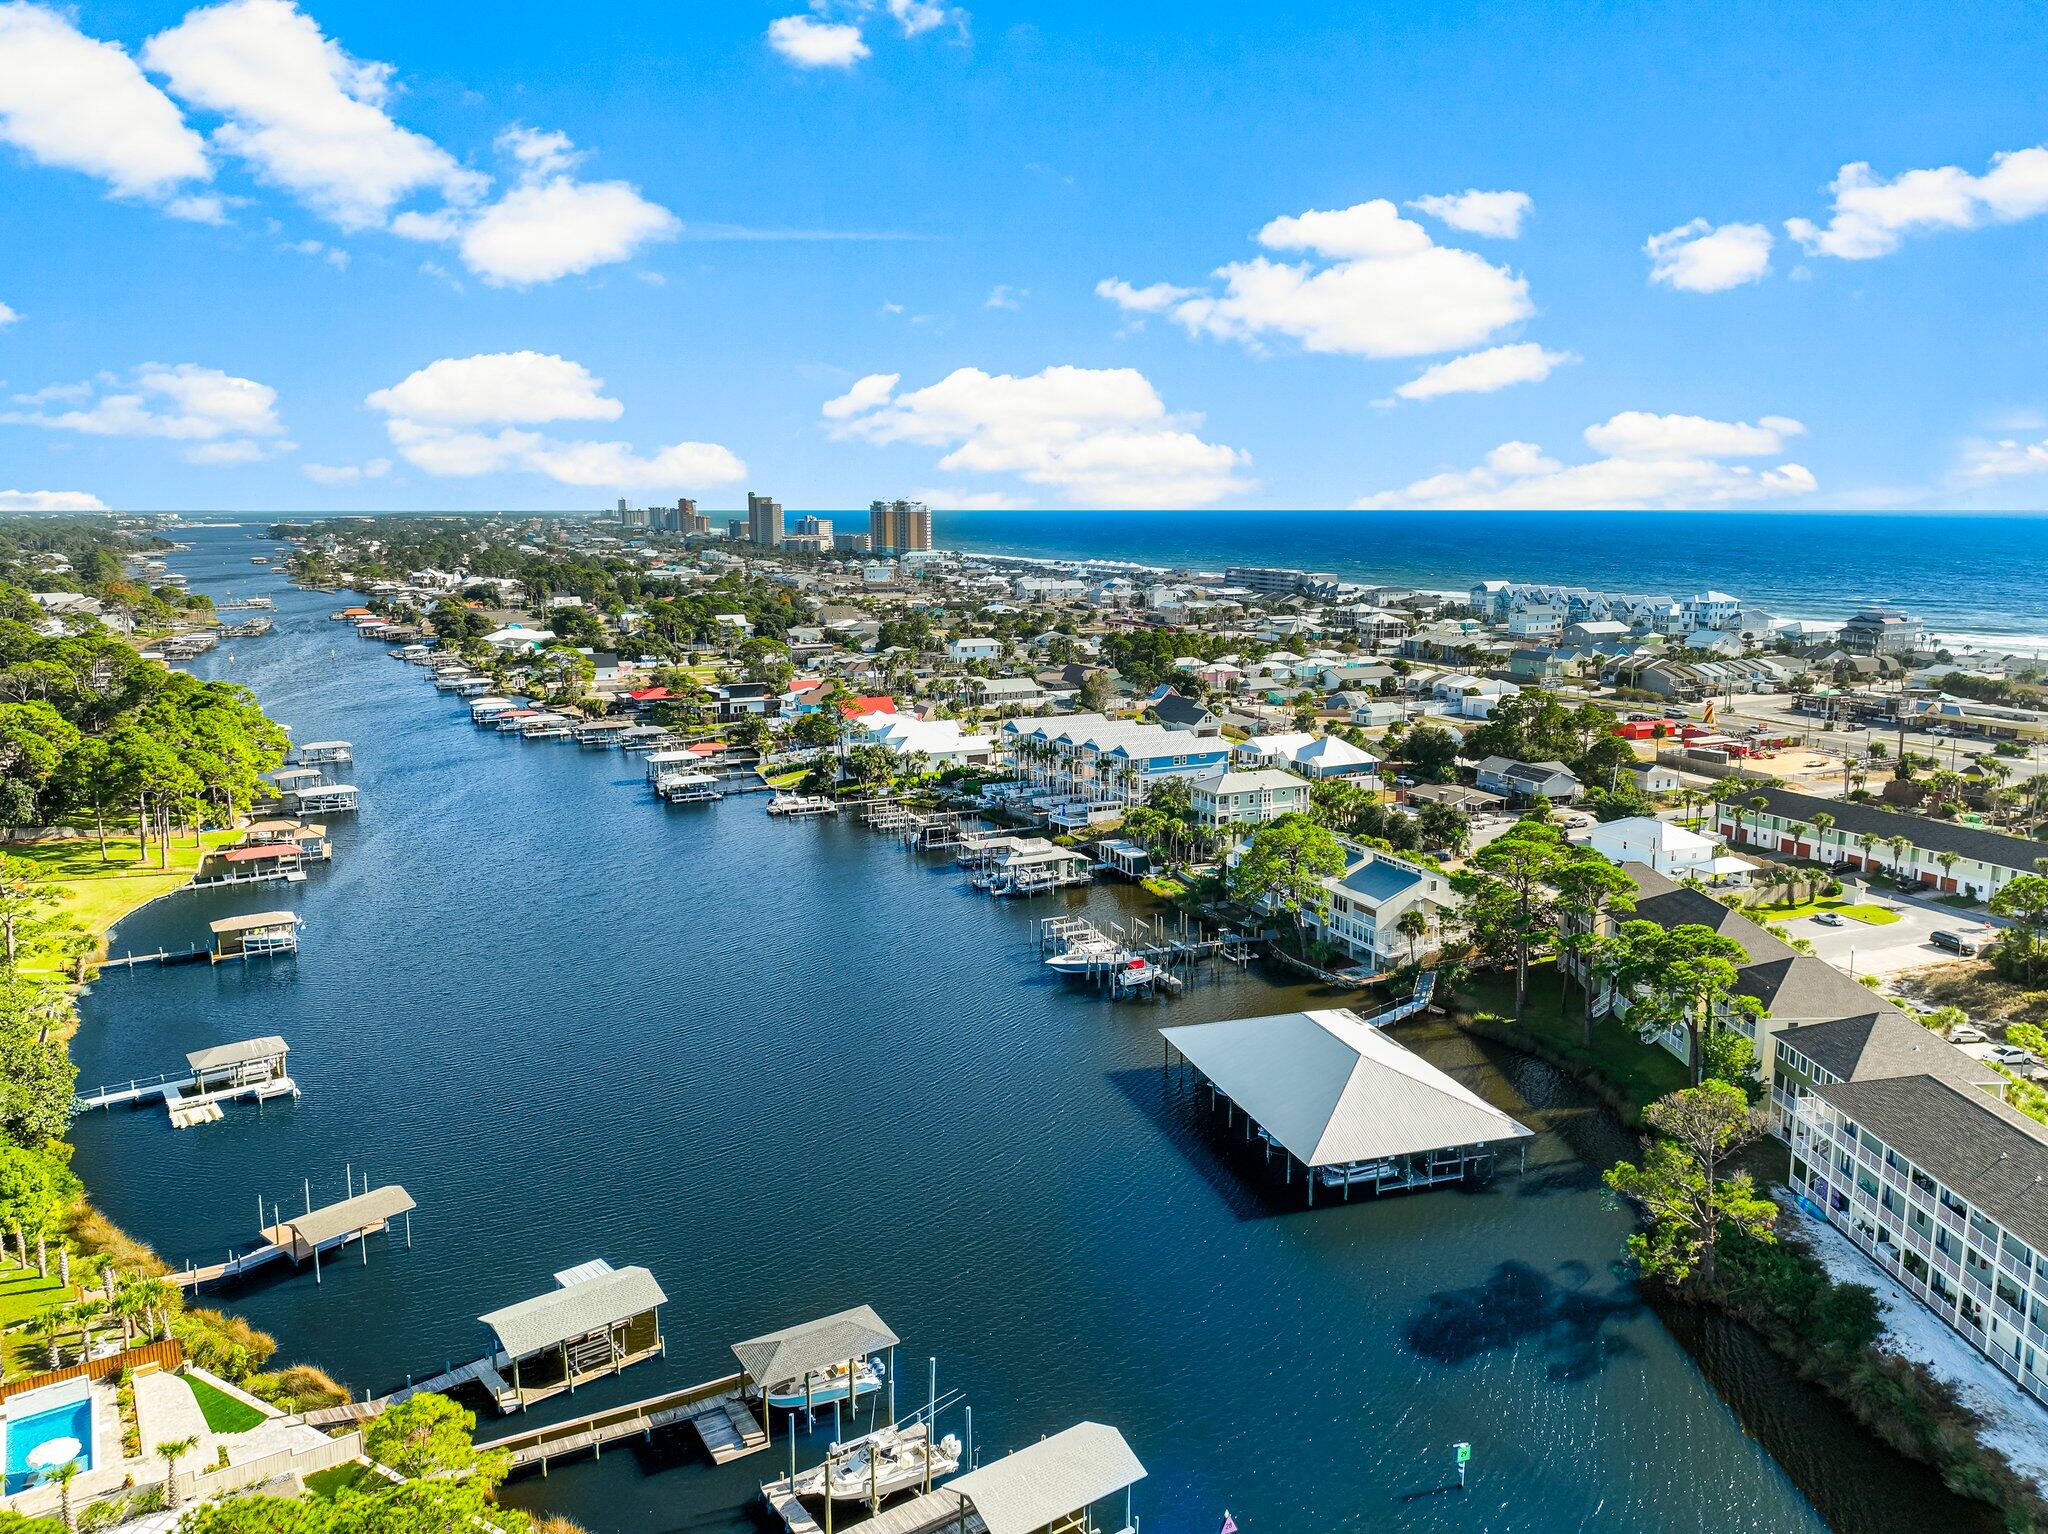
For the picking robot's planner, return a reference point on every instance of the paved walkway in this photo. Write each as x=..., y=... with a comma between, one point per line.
x=166, y=1411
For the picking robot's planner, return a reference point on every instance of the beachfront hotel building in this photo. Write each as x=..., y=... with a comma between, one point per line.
x=1946, y=1190
x=764, y=521
x=1944, y=855
x=899, y=527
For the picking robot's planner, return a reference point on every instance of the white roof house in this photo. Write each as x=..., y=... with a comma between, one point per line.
x=941, y=740
x=517, y=634
x=1256, y=796
x=1664, y=845
x=1315, y=756
x=1331, y=1089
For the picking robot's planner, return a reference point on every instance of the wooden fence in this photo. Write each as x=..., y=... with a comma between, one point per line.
x=166, y=1355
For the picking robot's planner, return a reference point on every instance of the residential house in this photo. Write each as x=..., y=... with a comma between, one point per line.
x=1663, y=845
x=1247, y=798
x=1367, y=901
x=1185, y=715
x=1520, y=782
x=1313, y=756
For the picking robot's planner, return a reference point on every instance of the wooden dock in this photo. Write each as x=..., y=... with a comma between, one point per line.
x=933, y=1512
x=481, y=1371
x=716, y=1409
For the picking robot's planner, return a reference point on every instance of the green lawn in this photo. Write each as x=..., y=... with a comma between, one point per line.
x=1645, y=1072
x=223, y=1413
x=331, y=1483
x=96, y=892
x=24, y=1296
x=1869, y=915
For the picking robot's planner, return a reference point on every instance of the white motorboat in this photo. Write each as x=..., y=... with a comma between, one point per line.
x=887, y=1460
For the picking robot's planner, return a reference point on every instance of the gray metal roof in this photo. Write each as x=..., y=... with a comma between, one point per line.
x=358, y=1213
x=1052, y=1478
x=257, y=920
x=777, y=1358
x=574, y=1310
x=1992, y=1155
x=221, y=1056
x=1331, y=1088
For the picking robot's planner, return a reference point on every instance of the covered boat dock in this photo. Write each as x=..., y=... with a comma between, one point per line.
x=255, y=936
x=596, y=1321
x=1352, y=1106
x=829, y=1361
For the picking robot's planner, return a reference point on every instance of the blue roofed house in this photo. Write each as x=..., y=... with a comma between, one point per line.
x=1367, y=902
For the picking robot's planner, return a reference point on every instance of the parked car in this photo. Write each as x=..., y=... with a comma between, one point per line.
x=1954, y=942
x=1831, y=918
x=1966, y=1033
x=2010, y=1054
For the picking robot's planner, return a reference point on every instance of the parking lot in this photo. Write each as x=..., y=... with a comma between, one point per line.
x=1883, y=951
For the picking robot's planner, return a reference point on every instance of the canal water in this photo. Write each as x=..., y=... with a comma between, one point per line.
x=792, y=1068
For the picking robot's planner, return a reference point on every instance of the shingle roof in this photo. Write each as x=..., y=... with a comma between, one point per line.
x=1883, y=1042
x=1039, y=1485
x=777, y=1358
x=1993, y=1156
x=574, y=1310
x=1972, y=843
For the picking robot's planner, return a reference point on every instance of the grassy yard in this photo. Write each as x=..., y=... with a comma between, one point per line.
x=223, y=1413
x=1869, y=915
x=23, y=1296
x=96, y=892
x=1644, y=1072
x=331, y=1483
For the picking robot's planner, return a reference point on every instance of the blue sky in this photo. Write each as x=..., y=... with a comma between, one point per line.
x=374, y=255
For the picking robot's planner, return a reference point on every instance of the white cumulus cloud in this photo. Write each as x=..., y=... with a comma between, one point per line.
x=225, y=419
x=557, y=227
x=77, y=103
x=302, y=113
x=1387, y=289
x=345, y=473
x=2004, y=458
x=461, y=417
x=1097, y=436
x=1871, y=215
x=1497, y=215
x=50, y=500
x=1648, y=461
x=8, y=316
x=810, y=43
x=1698, y=257
x=499, y=388
x=1484, y=372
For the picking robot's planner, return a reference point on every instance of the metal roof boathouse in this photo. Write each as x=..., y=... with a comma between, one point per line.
x=1355, y=1108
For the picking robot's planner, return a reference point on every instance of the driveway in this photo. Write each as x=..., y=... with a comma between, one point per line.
x=1861, y=949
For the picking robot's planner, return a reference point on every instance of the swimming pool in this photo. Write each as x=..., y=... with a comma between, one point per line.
x=25, y=1434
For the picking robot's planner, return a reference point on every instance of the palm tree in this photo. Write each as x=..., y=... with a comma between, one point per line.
x=1823, y=823
x=171, y=1451
x=47, y=1326
x=1413, y=924
x=1948, y=861
x=64, y=1475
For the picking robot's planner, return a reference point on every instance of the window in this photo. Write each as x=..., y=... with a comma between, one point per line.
x=2018, y=1252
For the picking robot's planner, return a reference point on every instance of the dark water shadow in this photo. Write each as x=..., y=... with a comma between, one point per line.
x=1560, y=1313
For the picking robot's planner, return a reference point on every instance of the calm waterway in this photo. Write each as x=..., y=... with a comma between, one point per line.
x=790, y=1068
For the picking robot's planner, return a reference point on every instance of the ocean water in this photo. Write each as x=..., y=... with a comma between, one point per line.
x=1964, y=575
x=792, y=1067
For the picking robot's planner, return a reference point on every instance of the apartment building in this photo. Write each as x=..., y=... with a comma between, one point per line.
x=899, y=527
x=764, y=521
x=1093, y=759
x=1944, y=855
x=1946, y=1190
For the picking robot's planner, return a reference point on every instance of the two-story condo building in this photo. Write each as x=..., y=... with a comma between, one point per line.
x=1941, y=854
